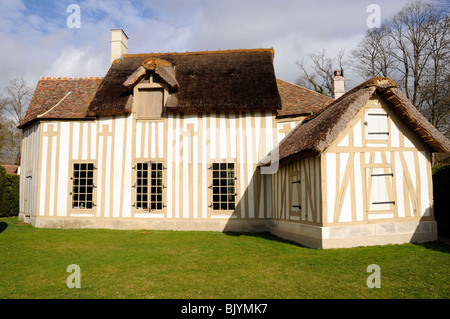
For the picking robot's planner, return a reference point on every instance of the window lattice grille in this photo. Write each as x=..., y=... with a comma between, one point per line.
x=223, y=186
x=149, y=186
x=83, y=186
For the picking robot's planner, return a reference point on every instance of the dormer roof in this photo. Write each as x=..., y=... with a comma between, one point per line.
x=207, y=81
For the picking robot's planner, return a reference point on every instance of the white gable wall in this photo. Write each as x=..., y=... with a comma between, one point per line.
x=374, y=188
x=380, y=181
x=399, y=156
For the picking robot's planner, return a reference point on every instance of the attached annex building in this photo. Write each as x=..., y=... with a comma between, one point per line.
x=213, y=141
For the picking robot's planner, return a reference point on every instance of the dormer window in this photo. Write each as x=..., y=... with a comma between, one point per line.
x=150, y=102
x=151, y=84
x=149, y=98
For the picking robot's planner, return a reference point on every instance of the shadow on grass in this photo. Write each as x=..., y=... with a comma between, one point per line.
x=436, y=246
x=264, y=235
x=3, y=226
x=439, y=246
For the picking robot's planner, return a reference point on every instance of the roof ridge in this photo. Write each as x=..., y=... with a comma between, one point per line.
x=378, y=82
x=131, y=55
x=70, y=78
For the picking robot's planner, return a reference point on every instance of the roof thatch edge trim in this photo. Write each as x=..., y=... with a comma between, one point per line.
x=417, y=122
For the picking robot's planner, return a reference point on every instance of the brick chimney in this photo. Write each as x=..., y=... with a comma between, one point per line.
x=338, y=85
x=119, y=44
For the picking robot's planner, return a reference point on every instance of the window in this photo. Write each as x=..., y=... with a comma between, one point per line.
x=376, y=124
x=83, y=186
x=149, y=186
x=223, y=186
x=150, y=103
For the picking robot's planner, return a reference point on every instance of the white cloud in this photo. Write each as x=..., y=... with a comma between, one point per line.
x=79, y=62
x=36, y=41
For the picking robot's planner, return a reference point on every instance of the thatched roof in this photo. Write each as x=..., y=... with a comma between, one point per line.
x=297, y=101
x=209, y=81
x=60, y=98
x=231, y=80
x=317, y=132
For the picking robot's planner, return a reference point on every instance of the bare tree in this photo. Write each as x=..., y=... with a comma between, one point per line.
x=3, y=103
x=319, y=77
x=12, y=110
x=19, y=96
x=373, y=55
x=434, y=95
x=10, y=141
x=3, y=127
x=411, y=32
x=412, y=48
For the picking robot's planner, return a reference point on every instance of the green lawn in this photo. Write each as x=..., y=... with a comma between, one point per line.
x=166, y=264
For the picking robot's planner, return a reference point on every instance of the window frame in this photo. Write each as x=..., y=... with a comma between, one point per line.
x=211, y=186
x=72, y=185
x=135, y=186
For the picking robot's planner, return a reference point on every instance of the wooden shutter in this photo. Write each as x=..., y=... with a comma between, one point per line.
x=150, y=103
x=380, y=183
x=295, y=195
x=376, y=124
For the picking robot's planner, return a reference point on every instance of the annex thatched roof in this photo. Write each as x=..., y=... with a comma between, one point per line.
x=317, y=132
x=208, y=81
x=60, y=98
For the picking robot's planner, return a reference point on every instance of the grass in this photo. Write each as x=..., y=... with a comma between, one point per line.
x=168, y=264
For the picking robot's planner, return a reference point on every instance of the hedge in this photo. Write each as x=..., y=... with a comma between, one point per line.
x=9, y=194
x=441, y=192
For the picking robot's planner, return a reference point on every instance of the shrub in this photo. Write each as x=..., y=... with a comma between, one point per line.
x=2, y=180
x=441, y=191
x=9, y=194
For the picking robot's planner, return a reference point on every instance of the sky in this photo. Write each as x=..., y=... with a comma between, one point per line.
x=40, y=38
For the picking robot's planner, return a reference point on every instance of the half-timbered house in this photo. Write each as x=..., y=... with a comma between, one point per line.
x=179, y=141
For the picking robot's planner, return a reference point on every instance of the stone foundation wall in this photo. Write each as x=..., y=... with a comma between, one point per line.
x=238, y=225
x=305, y=234
x=355, y=235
